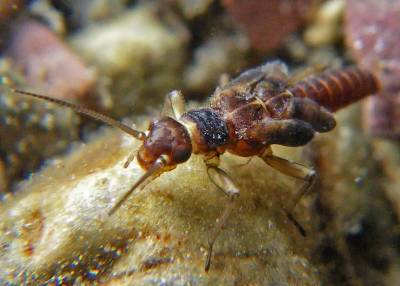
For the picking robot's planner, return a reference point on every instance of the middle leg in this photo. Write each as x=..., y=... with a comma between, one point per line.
x=224, y=183
x=294, y=170
x=174, y=104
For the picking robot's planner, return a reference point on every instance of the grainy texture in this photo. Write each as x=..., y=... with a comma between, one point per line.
x=159, y=234
x=55, y=228
x=372, y=36
x=30, y=131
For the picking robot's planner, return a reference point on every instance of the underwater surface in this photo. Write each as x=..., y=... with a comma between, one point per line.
x=62, y=172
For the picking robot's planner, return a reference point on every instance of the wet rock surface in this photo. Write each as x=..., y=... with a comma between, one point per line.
x=54, y=228
x=159, y=234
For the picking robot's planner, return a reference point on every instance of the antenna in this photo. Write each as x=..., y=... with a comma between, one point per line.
x=88, y=112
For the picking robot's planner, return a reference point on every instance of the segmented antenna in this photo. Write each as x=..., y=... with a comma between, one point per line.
x=88, y=112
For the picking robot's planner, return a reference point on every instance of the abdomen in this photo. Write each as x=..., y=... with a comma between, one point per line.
x=337, y=89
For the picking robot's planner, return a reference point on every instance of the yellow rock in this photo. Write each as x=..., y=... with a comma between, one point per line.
x=56, y=228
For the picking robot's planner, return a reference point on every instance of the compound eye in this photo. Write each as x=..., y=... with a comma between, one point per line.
x=281, y=106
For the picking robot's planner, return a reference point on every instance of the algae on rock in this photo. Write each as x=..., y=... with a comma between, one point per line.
x=30, y=131
x=56, y=228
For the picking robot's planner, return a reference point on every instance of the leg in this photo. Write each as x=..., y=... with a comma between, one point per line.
x=174, y=104
x=295, y=170
x=224, y=183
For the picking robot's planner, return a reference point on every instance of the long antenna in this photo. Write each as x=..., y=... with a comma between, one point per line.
x=88, y=112
x=158, y=165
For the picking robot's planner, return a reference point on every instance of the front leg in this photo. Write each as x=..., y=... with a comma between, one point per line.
x=224, y=183
x=294, y=170
x=174, y=104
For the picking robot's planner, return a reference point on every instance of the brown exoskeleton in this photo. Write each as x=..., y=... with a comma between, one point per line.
x=244, y=117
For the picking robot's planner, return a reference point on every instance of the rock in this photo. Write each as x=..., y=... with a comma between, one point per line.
x=381, y=114
x=268, y=23
x=218, y=55
x=56, y=228
x=325, y=28
x=352, y=213
x=194, y=8
x=38, y=60
x=138, y=55
x=30, y=130
x=47, y=63
x=88, y=12
x=373, y=39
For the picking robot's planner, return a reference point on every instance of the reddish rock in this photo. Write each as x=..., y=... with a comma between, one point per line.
x=268, y=22
x=372, y=34
x=381, y=115
x=48, y=64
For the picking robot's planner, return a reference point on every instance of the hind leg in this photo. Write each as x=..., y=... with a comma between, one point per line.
x=294, y=170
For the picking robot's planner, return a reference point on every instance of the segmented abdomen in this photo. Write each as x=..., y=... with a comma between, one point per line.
x=337, y=89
